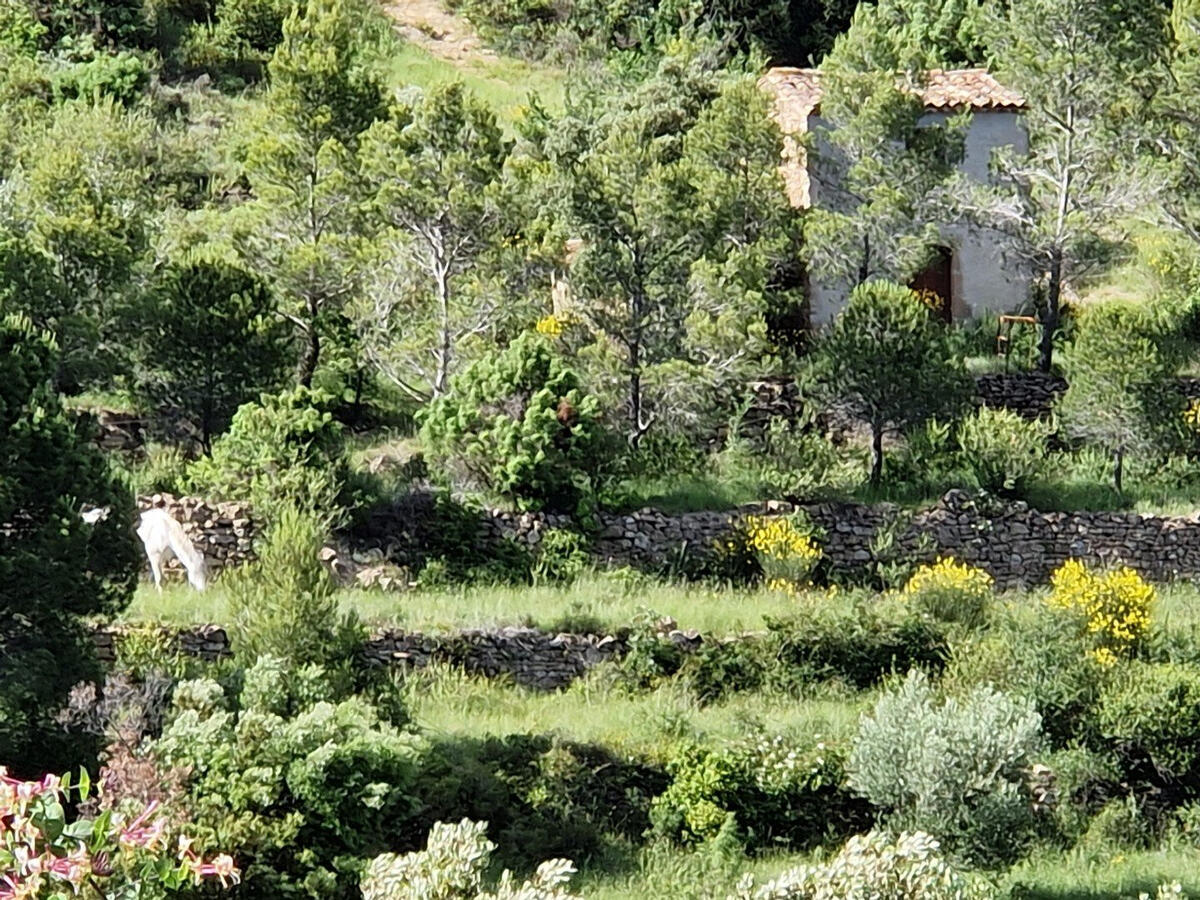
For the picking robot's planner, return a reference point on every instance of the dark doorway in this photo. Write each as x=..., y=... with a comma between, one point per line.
x=935, y=280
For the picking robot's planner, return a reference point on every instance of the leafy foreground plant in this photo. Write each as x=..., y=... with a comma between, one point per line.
x=46, y=856
x=910, y=867
x=452, y=867
x=1114, y=607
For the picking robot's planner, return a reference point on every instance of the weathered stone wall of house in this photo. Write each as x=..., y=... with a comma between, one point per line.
x=223, y=532
x=532, y=658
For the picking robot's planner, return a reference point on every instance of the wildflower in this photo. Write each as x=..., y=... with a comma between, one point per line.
x=551, y=326
x=1114, y=606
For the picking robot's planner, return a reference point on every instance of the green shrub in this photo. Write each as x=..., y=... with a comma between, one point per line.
x=956, y=770
x=1034, y=652
x=859, y=647
x=517, y=424
x=949, y=591
x=120, y=76
x=909, y=866
x=164, y=470
x=562, y=556
x=1156, y=706
x=285, y=450
x=259, y=23
x=284, y=604
x=305, y=787
x=541, y=795
x=452, y=867
x=1119, y=825
x=1075, y=773
x=798, y=462
x=1004, y=451
x=778, y=790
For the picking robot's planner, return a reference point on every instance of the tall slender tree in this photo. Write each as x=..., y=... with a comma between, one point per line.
x=1087, y=70
x=434, y=172
x=299, y=231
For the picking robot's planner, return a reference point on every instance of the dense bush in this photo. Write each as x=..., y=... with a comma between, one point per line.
x=1003, y=450
x=306, y=787
x=210, y=342
x=778, y=790
x=957, y=770
x=909, y=866
x=1113, y=608
x=1157, y=708
x=859, y=647
x=541, y=795
x=949, y=591
x=518, y=424
x=283, y=603
x=121, y=77
x=55, y=569
x=285, y=450
x=1036, y=653
x=452, y=867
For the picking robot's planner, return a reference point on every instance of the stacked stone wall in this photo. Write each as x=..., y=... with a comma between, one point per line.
x=531, y=658
x=223, y=532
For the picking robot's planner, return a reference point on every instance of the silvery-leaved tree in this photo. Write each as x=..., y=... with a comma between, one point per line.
x=1087, y=70
x=299, y=230
x=434, y=170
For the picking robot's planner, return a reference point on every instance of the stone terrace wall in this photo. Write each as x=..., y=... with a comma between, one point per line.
x=223, y=532
x=533, y=658
x=1016, y=544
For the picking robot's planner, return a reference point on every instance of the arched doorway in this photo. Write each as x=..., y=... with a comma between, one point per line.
x=936, y=281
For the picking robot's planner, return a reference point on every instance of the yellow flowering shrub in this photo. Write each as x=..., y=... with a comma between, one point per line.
x=1115, y=606
x=1191, y=416
x=550, y=326
x=950, y=591
x=784, y=550
x=932, y=300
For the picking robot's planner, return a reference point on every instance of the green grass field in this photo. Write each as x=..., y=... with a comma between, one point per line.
x=504, y=84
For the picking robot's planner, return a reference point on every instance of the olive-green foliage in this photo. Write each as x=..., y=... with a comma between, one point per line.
x=778, y=789
x=1076, y=771
x=54, y=568
x=562, y=556
x=1035, y=653
x=857, y=646
x=283, y=603
x=518, y=424
x=541, y=795
x=305, y=787
x=1118, y=398
x=210, y=341
x=1003, y=450
x=119, y=23
x=1156, y=706
x=285, y=450
x=955, y=770
x=120, y=76
x=890, y=362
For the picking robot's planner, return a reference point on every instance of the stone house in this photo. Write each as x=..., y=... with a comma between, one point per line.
x=970, y=272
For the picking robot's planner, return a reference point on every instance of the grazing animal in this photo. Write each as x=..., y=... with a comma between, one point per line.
x=163, y=538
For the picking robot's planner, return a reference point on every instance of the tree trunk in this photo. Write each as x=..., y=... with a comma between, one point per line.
x=876, y=455
x=441, y=277
x=864, y=266
x=1051, y=314
x=311, y=355
x=1118, y=470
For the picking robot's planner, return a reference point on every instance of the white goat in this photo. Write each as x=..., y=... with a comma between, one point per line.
x=163, y=538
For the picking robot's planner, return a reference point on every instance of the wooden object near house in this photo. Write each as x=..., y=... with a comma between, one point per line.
x=1004, y=334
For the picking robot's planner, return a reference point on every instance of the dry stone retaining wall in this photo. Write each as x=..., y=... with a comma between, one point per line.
x=532, y=658
x=223, y=532
x=1019, y=546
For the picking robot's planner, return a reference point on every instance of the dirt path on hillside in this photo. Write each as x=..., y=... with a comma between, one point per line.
x=427, y=24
